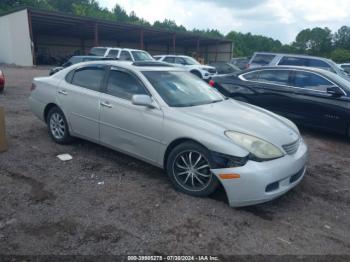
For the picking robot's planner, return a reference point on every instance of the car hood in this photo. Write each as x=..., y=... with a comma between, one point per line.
x=236, y=116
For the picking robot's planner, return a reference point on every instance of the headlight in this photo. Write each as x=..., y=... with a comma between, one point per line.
x=261, y=149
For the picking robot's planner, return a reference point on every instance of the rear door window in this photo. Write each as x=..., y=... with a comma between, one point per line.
x=113, y=53
x=262, y=59
x=180, y=61
x=311, y=81
x=169, y=60
x=90, y=78
x=125, y=55
x=280, y=77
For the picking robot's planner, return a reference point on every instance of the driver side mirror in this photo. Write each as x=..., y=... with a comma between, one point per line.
x=334, y=91
x=143, y=100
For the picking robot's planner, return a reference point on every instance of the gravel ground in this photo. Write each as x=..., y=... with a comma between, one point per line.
x=104, y=202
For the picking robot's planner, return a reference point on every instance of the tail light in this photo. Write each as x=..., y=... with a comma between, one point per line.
x=32, y=87
x=2, y=78
x=212, y=83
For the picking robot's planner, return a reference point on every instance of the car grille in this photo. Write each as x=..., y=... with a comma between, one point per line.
x=292, y=148
x=212, y=71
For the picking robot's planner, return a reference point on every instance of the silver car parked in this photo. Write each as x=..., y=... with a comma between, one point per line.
x=276, y=59
x=168, y=117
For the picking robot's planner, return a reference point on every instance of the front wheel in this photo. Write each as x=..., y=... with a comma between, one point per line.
x=188, y=168
x=58, y=126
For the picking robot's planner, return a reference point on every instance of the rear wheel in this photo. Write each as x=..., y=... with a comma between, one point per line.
x=188, y=167
x=58, y=126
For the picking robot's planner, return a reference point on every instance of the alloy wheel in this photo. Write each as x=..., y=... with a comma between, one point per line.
x=192, y=171
x=57, y=126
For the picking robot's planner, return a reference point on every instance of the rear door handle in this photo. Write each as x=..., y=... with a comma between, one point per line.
x=63, y=92
x=106, y=104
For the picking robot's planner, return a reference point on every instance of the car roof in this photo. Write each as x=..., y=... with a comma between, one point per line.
x=87, y=56
x=303, y=68
x=120, y=48
x=172, y=55
x=295, y=55
x=136, y=66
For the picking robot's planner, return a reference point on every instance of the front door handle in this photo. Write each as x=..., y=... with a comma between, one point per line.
x=63, y=92
x=106, y=104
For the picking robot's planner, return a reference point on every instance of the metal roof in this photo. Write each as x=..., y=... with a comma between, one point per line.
x=59, y=23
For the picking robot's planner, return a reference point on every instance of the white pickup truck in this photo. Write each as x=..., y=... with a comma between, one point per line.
x=124, y=54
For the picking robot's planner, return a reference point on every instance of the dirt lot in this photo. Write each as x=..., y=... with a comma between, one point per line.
x=53, y=207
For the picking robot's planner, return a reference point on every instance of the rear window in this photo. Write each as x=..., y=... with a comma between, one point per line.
x=262, y=60
x=98, y=51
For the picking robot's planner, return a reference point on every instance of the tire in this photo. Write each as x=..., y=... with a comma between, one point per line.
x=186, y=177
x=58, y=127
x=196, y=73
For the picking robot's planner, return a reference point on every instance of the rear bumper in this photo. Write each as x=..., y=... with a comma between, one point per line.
x=263, y=181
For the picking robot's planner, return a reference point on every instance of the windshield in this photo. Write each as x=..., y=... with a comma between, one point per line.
x=98, y=51
x=141, y=56
x=190, y=60
x=182, y=89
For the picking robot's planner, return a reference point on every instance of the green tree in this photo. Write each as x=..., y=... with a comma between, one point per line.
x=316, y=41
x=247, y=44
x=342, y=37
x=340, y=55
x=120, y=14
x=169, y=25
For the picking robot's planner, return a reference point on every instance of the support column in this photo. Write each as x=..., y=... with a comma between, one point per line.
x=31, y=35
x=141, y=40
x=96, y=40
x=82, y=46
x=174, y=44
x=216, y=51
x=197, y=48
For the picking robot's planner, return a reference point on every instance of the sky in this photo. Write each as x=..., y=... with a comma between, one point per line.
x=279, y=19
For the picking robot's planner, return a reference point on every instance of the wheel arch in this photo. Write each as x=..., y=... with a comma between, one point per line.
x=196, y=72
x=174, y=144
x=47, y=109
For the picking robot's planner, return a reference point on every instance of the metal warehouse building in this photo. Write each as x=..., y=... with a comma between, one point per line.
x=32, y=36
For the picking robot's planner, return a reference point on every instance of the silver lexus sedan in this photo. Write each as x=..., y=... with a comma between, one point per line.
x=172, y=119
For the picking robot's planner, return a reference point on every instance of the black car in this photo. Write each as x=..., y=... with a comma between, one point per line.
x=308, y=96
x=223, y=68
x=78, y=59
